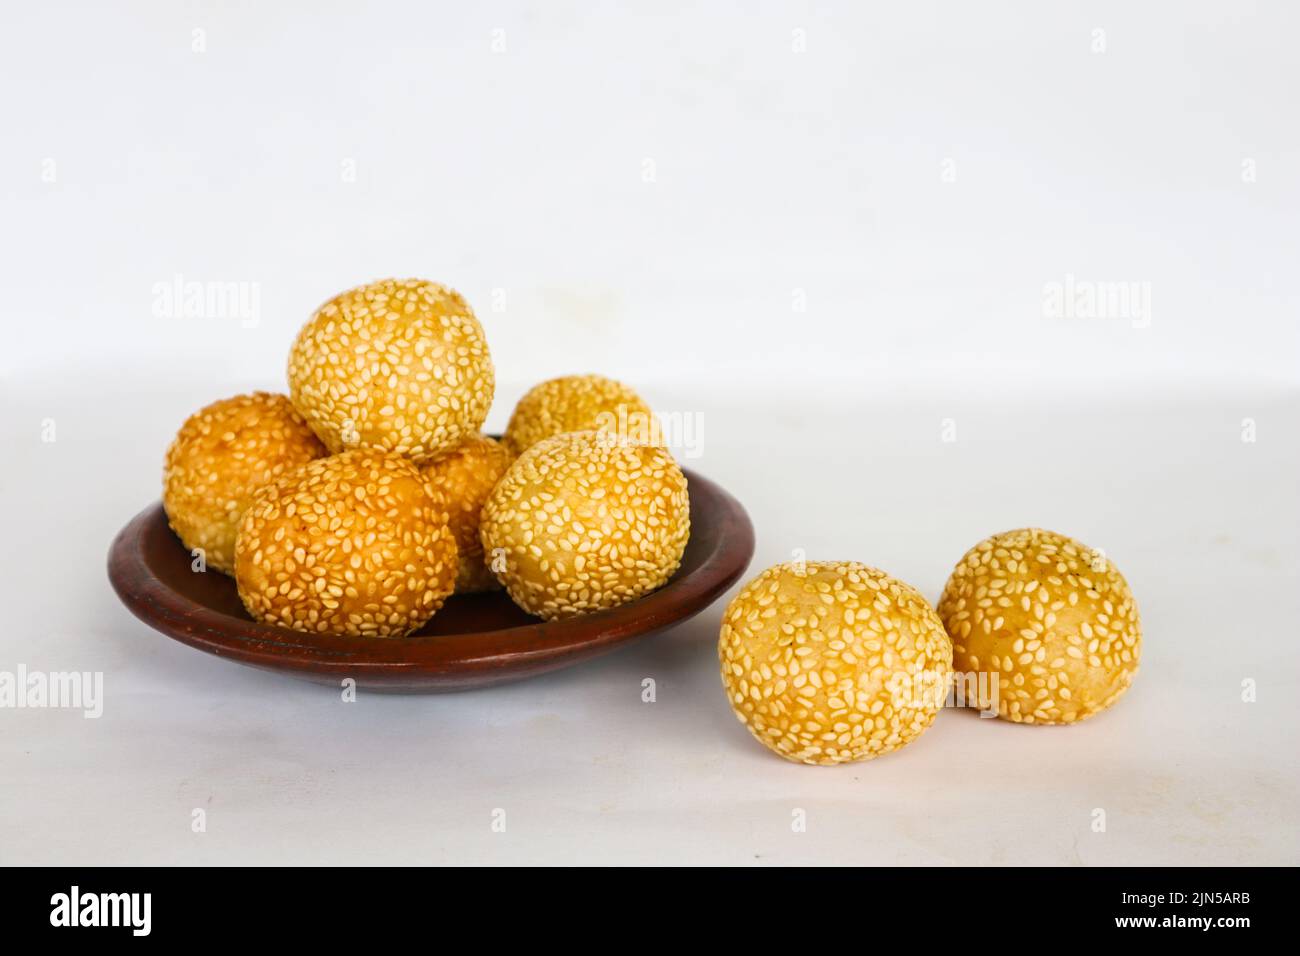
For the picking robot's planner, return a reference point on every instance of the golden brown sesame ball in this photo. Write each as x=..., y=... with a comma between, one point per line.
x=220, y=457
x=353, y=544
x=578, y=403
x=463, y=478
x=1051, y=617
x=397, y=364
x=586, y=521
x=828, y=662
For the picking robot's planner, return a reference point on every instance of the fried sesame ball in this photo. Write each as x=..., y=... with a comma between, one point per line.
x=833, y=661
x=578, y=403
x=398, y=364
x=1051, y=617
x=353, y=544
x=220, y=457
x=586, y=521
x=463, y=478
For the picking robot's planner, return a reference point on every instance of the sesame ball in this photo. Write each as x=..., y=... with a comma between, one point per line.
x=1051, y=617
x=578, y=403
x=833, y=661
x=353, y=544
x=463, y=478
x=399, y=364
x=586, y=521
x=220, y=457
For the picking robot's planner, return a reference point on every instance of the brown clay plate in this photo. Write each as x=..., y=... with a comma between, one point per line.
x=475, y=640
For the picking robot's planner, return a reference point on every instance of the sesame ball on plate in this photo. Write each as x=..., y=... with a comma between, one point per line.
x=586, y=521
x=579, y=403
x=463, y=478
x=353, y=544
x=401, y=365
x=828, y=662
x=220, y=457
x=1053, y=619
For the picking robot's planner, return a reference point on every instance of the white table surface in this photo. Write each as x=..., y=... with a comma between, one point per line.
x=1203, y=525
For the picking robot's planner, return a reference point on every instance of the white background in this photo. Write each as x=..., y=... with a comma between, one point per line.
x=826, y=256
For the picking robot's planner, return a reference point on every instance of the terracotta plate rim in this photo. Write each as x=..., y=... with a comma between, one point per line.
x=531, y=647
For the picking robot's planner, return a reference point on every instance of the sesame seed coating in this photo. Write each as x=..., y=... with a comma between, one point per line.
x=353, y=544
x=463, y=478
x=586, y=521
x=1053, y=618
x=222, y=455
x=578, y=403
x=397, y=364
x=830, y=662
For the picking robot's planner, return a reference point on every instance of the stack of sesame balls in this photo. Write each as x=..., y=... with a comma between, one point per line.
x=360, y=502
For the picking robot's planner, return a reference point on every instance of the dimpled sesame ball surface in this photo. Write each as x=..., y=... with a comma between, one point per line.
x=354, y=544
x=220, y=457
x=578, y=403
x=464, y=477
x=829, y=662
x=399, y=364
x=585, y=521
x=1053, y=618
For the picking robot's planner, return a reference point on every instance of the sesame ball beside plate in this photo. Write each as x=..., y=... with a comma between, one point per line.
x=586, y=521
x=463, y=478
x=353, y=544
x=578, y=403
x=220, y=457
x=1051, y=617
x=829, y=662
x=401, y=365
